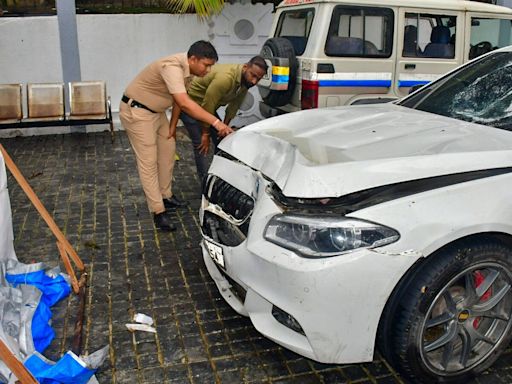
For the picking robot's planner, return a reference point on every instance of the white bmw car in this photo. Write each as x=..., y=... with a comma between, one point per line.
x=337, y=230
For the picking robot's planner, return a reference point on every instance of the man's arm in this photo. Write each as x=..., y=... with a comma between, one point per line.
x=218, y=87
x=175, y=116
x=234, y=106
x=174, y=79
x=192, y=109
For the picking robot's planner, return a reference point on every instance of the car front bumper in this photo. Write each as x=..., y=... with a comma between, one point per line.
x=338, y=301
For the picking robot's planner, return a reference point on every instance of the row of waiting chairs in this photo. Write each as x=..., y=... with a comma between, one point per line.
x=88, y=104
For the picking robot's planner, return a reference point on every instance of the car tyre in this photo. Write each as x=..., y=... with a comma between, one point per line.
x=451, y=318
x=279, y=47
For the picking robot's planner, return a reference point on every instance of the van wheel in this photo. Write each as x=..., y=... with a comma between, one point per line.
x=279, y=47
x=453, y=318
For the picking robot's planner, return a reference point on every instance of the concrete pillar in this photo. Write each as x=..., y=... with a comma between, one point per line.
x=70, y=54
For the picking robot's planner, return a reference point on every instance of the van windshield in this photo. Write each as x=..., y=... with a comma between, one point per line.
x=295, y=26
x=479, y=93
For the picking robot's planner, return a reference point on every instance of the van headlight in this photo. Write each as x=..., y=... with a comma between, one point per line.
x=324, y=236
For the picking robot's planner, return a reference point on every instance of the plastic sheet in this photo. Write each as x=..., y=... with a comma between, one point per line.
x=27, y=291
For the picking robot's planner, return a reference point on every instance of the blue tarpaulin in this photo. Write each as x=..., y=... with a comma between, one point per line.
x=69, y=369
x=27, y=292
x=53, y=289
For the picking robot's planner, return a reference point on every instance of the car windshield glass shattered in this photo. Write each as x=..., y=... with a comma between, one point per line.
x=480, y=93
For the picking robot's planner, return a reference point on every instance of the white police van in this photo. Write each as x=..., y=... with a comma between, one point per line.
x=327, y=53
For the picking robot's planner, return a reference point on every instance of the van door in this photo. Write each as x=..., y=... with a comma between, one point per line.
x=486, y=32
x=356, y=59
x=430, y=43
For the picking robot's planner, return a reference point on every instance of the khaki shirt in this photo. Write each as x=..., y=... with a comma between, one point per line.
x=220, y=87
x=155, y=84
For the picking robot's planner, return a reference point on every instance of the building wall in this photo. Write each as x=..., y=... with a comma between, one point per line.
x=116, y=47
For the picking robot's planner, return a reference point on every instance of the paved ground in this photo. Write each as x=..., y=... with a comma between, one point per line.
x=92, y=189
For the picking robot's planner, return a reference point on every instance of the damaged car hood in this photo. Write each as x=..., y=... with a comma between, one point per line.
x=364, y=147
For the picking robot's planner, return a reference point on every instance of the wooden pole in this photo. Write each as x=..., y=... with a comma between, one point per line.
x=41, y=209
x=69, y=269
x=21, y=372
x=77, y=337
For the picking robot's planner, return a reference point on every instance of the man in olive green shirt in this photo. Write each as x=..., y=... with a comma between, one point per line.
x=226, y=84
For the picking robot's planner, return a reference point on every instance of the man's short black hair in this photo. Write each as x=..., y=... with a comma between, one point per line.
x=258, y=61
x=203, y=49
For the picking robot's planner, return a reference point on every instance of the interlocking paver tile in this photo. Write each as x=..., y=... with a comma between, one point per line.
x=91, y=187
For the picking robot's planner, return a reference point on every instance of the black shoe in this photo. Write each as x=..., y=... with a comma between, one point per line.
x=174, y=202
x=163, y=222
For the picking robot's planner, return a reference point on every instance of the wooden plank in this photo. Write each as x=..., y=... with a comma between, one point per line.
x=76, y=346
x=40, y=208
x=16, y=366
x=69, y=268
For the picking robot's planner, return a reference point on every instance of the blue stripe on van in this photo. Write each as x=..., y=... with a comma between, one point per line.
x=355, y=83
x=280, y=78
x=411, y=83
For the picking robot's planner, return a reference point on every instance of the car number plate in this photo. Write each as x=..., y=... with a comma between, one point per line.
x=215, y=252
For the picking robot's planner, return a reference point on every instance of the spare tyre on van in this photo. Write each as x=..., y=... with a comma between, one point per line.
x=324, y=53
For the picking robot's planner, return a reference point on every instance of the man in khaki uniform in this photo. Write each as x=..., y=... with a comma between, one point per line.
x=156, y=88
x=226, y=84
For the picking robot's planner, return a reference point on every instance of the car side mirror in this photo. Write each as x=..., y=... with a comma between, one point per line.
x=414, y=88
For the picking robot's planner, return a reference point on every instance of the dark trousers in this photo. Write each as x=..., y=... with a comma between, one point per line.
x=194, y=129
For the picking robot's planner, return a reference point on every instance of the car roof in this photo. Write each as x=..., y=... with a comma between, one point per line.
x=456, y=5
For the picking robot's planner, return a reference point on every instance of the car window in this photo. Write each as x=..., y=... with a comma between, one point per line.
x=295, y=26
x=429, y=35
x=488, y=34
x=479, y=92
x=360, y=32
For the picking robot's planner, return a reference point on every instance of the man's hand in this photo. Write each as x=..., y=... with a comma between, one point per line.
x=205, y=144
x=172, y=132
x=222, y=129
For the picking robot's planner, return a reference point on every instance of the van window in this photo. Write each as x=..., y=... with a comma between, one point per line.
x=489, y=34
x=295, y=26
x=360, y=32
x=430, y=36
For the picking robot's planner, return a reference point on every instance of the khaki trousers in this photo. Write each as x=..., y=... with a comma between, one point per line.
x=155, y=153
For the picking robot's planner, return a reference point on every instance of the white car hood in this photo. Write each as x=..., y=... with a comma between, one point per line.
x=331, y=152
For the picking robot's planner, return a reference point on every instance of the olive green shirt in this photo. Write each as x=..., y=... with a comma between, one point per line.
x=218, y=88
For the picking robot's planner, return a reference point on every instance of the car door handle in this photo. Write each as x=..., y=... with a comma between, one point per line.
x=410, y=66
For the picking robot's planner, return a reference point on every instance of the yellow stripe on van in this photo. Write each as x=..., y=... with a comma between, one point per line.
x=280, y=70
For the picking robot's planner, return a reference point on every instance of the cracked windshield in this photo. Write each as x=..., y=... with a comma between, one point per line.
x=479, y=93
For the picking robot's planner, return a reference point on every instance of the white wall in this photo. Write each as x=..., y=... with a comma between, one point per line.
x=30, y=50
x=116, y=47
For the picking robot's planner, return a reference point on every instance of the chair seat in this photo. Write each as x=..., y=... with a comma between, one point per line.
x=8, y=121
x=10, y=103
x=102, y=116
x=45, y=101
x=46, y=118
x=87, y=98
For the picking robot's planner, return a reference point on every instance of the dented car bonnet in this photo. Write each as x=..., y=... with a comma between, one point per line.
x=365, y=147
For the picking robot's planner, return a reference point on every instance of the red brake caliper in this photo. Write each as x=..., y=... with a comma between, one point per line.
x=479, y=279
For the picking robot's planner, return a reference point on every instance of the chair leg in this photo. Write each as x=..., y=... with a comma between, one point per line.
x=112, y=133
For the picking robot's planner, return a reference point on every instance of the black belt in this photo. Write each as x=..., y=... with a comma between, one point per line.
x=135, y=103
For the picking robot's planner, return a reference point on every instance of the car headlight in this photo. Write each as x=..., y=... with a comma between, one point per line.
x=324, y=236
